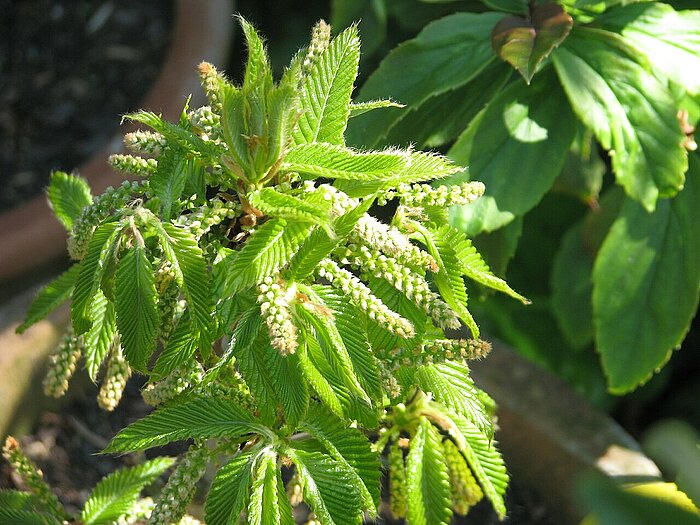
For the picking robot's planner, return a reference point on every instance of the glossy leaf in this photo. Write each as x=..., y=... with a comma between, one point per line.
x=445, y=55
x=646, y=281
x=516, y=146
x=614, y=91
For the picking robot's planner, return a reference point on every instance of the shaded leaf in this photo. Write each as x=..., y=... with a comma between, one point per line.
x=229, y=491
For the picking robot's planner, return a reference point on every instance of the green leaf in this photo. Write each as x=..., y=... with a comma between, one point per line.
x=168, y=182
x=28, y=517
x=68, y=195
x=179, y=348
x=516, y=146
x=526, y=43
x=99, y=338
x=337, y=162
x=116, y=493
x=441, y=118
x=17, y=500
x=452, y=386
x=372, y=17
x=99, y=252
x=472, y=264
x=267, y=250
x=428, y=483
x=51, y=297
x=229, y=491
x=181, y=249
x=646, y=281
x=197, y=419
x=326, y=90
x=484, y=460
x=136, y=308
x=669, y=38
x=319, y=244
x=288, y=383
x=323, y=388
x=330, y=487
x=614, y=92
x=268, y=504
x=291, y=208
x=360, y=108
x=349, y=446
x=445, y=55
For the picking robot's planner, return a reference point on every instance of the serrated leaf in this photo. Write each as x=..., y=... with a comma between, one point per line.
x=326, y=90
x=349, y=446
x=28, y=517
x=318, y=382
x=20, y=500
x=670, y=38
x=451, y=385
x=99, y=338
x=352, y=327
x=136, y=307
x=471, y=262
x=182, y=250
x=427, y=479
x=360, y=108
x=229, y=491
x=51, y=297
x=198, y=419
x=267, y=250
x=337, y=162
x=288, y=382
x=268, y=504
x=319, y=244
x=484, y=460
x=168, y=182
x=179, y=348
x=646, y=280
x=445, y=55
x=251, y=363
x=291, y=208
x=530, y=127
x=329, y=487
x=116, y=493
x=526, y=43
x=632, y=113
x=99, y=251
x=68, y=195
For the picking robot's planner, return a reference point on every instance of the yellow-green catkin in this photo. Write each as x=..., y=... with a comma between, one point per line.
x=397, y=482
x=31, y=476
x=114, y=381
x=465, y=491
x=62, y=365
x=178, y=491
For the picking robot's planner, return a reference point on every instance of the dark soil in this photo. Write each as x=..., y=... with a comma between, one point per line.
x=68, y=68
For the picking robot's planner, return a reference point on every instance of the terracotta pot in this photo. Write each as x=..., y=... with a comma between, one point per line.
x=30, y=236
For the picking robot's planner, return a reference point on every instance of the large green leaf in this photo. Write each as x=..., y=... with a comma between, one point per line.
x=326, y=90
x=349, y=446
x=288, y=383
x=670, y=38
x=181, y=249
x=268, y=503
x=267, y=250
x=198, y=419
x=614, y=91
x=115, y=494
x=99, y=338
x=323, y=388
x=291, y=208
x=445, y=55
x=68, y=195
x=645, y=285
x=516, y=146
x=168, y=182
x=99, y=252
x=452, y=386
x=51, y=297
x=428, y=482
x=179, y=348
x=484, y=460
x=136, y=308
x=330, y=487
x=229, y=491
